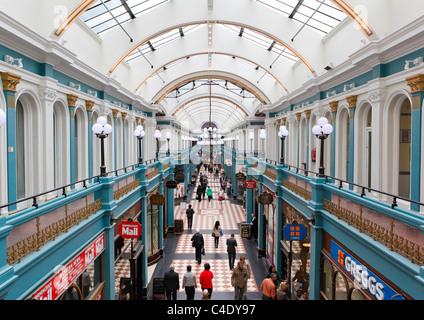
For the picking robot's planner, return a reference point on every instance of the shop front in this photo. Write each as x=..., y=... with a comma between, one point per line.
x=129, y=252
x=295, y=264
x=345, y=276
x=153, y=249
x=81, y=278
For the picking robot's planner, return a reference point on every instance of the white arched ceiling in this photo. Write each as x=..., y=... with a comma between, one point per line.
x=194, y=56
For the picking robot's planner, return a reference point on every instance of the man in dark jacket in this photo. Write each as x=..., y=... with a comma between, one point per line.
x=172, y=283
x=189, y=213
x=198, y=244
x=231, y=249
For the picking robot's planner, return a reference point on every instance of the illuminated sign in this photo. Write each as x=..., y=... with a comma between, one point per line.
x=363, y=277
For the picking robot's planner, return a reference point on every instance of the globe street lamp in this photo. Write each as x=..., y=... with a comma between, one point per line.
x=102, y=130
x=139, y=134
x=283, y=133
x=322, y=130
x=157, y=135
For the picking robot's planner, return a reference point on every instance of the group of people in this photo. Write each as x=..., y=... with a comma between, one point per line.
x=198, y=243
x=204, y=188
x=240, y=275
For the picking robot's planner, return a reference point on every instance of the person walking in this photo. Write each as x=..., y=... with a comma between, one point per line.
x=249, y=274
x=231, y=250
x=199, y=192
x=220, y=196
x=239, y=281
x=172, y=283
x=189, y=213
x=205, y=279
x=268, y=287
x=229, y=189
x=198, y=243
x=189, y=283
x=217, y=233
x=209, y=193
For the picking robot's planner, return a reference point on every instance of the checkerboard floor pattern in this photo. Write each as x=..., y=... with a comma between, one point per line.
x=221, y=274
x=184, y=244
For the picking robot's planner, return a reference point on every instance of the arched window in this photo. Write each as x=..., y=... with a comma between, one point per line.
x=60, y=142
x=342, y=144
x=20, y=151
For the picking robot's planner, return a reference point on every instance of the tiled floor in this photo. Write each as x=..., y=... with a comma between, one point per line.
x=179, y=251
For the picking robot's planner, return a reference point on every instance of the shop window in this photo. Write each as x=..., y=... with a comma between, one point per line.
x=153, y=229
x=326, y=287
x=356, y=295
x=341, y=287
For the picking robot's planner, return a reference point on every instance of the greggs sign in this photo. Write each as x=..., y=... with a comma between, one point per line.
x=363, y=277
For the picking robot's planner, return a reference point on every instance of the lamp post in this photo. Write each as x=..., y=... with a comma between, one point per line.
x=283, y=133
x=322, y=130
x=139, y=134
x=102, y=130
x=168, y=137
x=262, y=135
x=157, y=135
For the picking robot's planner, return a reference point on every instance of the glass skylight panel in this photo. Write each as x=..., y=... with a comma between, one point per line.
x=320, y=15
x=264, y=42
x=100, y=19
x=161, y=40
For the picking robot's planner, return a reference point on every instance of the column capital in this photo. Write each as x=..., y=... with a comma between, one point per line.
x=351, y=100
x=334, y=105
x=308, y=114
x=72, y=100
x=89, y=105
x=416, y=83
x=10, y=81
x=124, y=115
x=115, y=113
x=298, y=115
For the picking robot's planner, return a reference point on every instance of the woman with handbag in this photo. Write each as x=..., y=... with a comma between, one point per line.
x=217, y=233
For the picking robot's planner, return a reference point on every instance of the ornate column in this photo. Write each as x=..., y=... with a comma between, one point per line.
x=298, y=116
x=124, y=140
x=10, y=82
x=416, y=83
x=308, y=116
x=333, y=106
x=377, y=99
x=72, y=101
x=47, y=143
x=115, y=155
x=89, y=108
x=351, y=100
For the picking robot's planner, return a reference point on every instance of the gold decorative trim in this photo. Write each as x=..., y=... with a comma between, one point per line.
x=10, y=81
x=126, y=189
x=72, y=100
x=34, y=242
x=386, y=236
x=416, y=83
x=307, y=195
x=89, y=105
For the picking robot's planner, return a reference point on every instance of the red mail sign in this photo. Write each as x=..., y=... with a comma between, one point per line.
x=130, y=230
x=250, y=184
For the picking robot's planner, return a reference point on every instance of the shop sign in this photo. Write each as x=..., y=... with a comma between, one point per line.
x=171, y=184
x=130, y=230
x=265, y=198
x=157, y=199
x=64, y=277
x=295, y=232
x=250, y=184
x=362, y=275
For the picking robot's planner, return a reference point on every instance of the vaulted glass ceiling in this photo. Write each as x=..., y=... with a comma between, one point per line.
x=107, y=14
x=321, y=15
